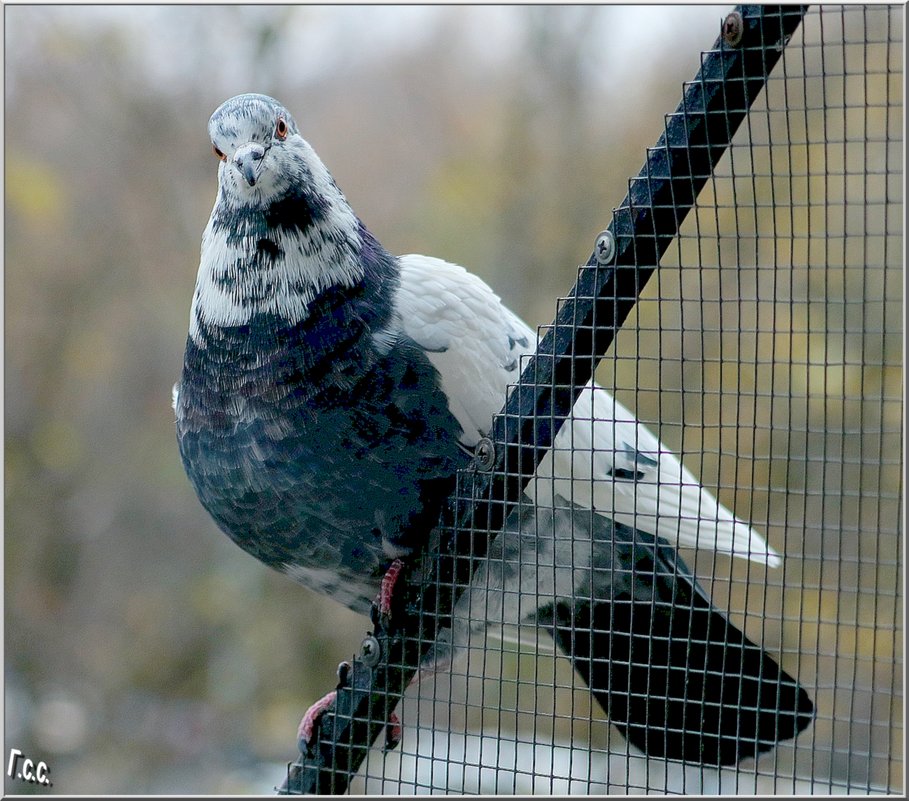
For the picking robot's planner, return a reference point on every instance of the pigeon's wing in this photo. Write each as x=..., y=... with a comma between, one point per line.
x=606, y=460
x=602, y=457
x=471, y=338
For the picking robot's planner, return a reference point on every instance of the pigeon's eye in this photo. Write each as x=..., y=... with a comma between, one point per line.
x=281, y=128
x=218, y=153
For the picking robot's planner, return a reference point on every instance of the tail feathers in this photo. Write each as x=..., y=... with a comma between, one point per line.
x=676, y=678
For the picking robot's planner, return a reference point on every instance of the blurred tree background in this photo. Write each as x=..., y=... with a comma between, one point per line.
x=145, y=653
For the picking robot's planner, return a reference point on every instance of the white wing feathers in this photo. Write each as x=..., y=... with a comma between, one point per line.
x=473, y=340
x=602, y=457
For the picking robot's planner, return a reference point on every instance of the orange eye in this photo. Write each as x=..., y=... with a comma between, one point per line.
x=218, y=153
x=281, y=128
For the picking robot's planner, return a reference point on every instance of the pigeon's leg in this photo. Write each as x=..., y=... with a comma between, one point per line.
x=393, y=732
x=305, y=732
x=385, y=598
x=311, y=719
x=386, y=593
x=307, y=729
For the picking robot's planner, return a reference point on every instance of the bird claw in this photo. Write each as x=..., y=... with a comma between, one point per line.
x=306, y=739
x=344, y=669
x=307, y=728
x=381, y=608
x=393, y=731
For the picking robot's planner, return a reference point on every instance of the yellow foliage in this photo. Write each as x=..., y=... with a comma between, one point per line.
x=34, y=191
x=58, y=445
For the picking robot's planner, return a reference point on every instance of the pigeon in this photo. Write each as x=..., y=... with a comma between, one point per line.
x=329, y=394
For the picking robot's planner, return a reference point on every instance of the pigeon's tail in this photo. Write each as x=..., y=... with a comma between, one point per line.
x=676, y=678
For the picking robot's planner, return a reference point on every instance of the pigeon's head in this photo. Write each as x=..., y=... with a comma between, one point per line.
x=259, y=145
x=281, y=232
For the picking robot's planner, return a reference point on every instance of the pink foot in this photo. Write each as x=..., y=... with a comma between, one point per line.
x=386, y=591
x=311, y=719
x=393, y=732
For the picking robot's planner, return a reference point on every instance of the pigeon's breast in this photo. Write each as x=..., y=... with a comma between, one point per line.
x=311, y=450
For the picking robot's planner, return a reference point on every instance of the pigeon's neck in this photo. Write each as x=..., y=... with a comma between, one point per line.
x=277, y=260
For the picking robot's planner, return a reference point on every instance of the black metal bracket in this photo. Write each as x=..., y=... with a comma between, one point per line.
x=695, y=136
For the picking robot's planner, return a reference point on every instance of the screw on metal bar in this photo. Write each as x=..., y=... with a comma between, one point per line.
x=605, y=247
x=484, y=455
x=370, y=651
x=733, y=26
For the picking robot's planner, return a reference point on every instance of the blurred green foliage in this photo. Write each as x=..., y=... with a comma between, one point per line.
x=144, y=652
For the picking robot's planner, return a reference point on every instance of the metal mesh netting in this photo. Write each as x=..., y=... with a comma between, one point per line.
x=767, y=353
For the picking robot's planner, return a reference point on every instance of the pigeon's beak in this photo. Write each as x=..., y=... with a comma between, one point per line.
x=248, y=160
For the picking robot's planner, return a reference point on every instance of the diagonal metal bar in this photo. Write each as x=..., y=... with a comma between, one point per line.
x=732, y=74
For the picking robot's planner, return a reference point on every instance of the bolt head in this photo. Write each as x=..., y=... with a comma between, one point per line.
x=485, y=454
x=605, y=248
x=370, y=651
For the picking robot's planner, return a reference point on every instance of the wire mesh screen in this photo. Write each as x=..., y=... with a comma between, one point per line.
x=765, y=354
